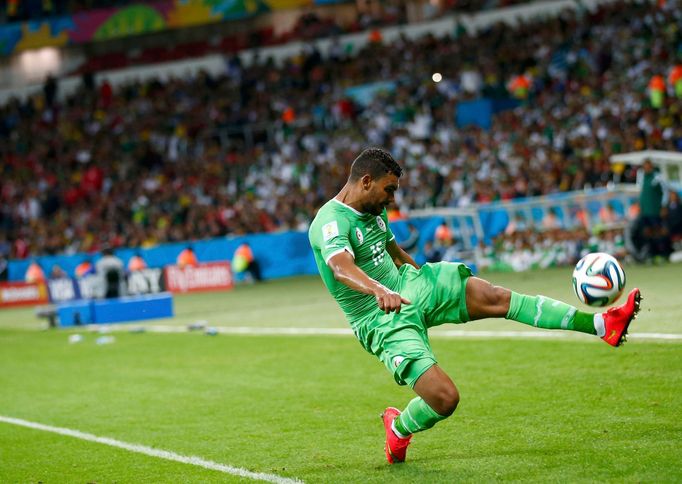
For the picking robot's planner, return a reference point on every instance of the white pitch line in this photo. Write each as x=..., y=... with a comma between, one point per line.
x=437, y=332
x=150, y=451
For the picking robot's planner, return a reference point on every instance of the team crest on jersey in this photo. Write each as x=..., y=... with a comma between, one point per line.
x=358, y=234
x=330, y=230
x=381, y=224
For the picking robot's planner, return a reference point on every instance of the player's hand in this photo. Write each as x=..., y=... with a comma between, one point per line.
x=389, y=301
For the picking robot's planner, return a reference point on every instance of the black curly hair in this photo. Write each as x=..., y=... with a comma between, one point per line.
x=375, y=162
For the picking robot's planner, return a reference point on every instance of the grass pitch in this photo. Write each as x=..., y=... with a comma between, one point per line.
x=307, y=407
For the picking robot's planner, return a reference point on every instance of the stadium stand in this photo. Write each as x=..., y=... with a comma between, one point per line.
x=252, y=150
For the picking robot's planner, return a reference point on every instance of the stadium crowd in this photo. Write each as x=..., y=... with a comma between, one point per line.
x=152, y=162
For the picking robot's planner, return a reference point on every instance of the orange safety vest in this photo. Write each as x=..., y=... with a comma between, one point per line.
x=187, y=258
x=443, y=233
x=289, y=115
x=244, y=251
x=657, y=83
x=519, y=86
x=136, y=263
x=35, y=273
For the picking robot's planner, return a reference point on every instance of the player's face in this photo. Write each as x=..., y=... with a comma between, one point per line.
x=380, y=193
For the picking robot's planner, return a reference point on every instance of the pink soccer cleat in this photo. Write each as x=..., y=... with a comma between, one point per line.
x=396, y=447
x=617, y=320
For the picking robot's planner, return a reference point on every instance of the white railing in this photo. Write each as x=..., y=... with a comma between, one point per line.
x=470, y=220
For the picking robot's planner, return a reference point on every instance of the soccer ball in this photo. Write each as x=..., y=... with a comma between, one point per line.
x=598, y=279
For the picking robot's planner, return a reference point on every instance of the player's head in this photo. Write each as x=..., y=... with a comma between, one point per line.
x=376, y=173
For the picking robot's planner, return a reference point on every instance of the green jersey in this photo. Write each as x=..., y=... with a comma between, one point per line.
x=338, y=227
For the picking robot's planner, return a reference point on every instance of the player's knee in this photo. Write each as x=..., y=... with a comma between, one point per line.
x=497, y=297
x=494, y=295
x=448, y=399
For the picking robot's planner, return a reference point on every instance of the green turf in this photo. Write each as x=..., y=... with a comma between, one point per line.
x=307, y=406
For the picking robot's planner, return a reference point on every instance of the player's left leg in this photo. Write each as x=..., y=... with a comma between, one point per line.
x=483, y=300
x=437, y=399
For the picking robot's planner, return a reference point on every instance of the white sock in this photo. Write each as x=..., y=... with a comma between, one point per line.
x=395, y=431
x=599, y=325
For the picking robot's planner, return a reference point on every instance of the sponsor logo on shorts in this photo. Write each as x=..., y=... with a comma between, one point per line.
x=398, y=360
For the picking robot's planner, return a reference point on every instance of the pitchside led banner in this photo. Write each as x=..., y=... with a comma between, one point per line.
x=204, y=277
x=22, y=294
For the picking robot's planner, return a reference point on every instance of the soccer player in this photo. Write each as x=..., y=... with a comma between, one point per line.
x=391, y=302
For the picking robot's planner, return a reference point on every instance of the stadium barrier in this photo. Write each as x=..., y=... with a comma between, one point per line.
x=280, y=255
x=288, y=253
x=116, y=310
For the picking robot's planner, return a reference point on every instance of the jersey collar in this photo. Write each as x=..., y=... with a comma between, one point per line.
x=348, y=207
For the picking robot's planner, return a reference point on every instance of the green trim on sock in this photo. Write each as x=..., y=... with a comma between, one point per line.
x=400, y=427
x=417, y=416
x=584, y=322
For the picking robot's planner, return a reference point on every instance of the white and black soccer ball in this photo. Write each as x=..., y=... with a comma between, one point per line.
x=598, y=279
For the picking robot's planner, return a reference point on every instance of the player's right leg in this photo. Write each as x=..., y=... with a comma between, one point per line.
x=483, y=300
x=437, y=399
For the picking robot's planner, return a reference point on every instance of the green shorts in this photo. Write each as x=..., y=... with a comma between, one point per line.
x=438, y=295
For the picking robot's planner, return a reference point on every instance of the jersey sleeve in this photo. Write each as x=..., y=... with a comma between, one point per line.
x=332, y=236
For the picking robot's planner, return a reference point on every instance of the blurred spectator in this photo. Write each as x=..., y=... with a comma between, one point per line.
x=187, y=258
x=244, y=262
x=551, y=219
x=136, y=263
x=517, y=223
x=672, y=216
x=34, y=273
x=612, y=241
x=433, y=253
x=648, y=233
x=657, y=91
x=531, y=249
x=454, y=250
x=443, y=235
x=577, y=217
x=410, y=244
x=111, y=271
x=608, y=215
x=57, y=272
x=675, y=80
x=519, y=86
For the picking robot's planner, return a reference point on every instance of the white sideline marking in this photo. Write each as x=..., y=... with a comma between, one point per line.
x=143, y=449
x=452, y=333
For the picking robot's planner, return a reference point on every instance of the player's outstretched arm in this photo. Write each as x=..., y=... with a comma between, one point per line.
x=398, y=255
x=346, y=272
